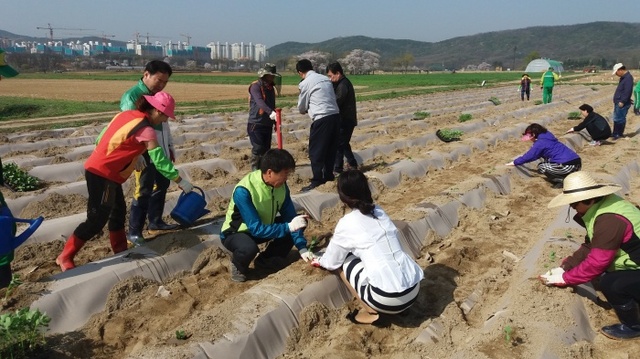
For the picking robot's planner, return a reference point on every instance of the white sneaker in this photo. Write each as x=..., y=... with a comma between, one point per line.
x=594, y=143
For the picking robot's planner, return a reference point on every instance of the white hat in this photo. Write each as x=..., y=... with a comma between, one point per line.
x=580, y=186
x=617, y=67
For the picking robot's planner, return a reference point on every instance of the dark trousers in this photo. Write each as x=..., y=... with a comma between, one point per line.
x=106, y=204
x=323, y=144
x=525, y=92
x=344, y=149
x=620, y=287
x=149, y=197
x=5, y=275
x=260, y=136
x=245, y=248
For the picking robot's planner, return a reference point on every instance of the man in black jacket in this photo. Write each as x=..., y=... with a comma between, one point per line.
x=346, y=99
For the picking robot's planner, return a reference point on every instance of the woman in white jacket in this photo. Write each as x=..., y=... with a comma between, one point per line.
x=365, y=252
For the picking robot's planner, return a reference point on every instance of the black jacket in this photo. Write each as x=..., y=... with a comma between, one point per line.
x=596, y=125
x=346, y=99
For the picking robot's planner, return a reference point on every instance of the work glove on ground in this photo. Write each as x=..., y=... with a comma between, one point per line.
x=273, y=115
x=140, y=164
x=307, y=255
x=297, y=223
x=553, y=277
x=185, y=185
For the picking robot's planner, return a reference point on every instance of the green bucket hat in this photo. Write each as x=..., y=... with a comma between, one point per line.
x=268, y=69
x=6, y=70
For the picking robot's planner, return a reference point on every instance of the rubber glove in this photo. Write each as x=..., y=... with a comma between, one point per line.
x=185, y=185
x=141, y=163
x=298, y=222
x=553, y=277
x=273, y=115
x=306, y=255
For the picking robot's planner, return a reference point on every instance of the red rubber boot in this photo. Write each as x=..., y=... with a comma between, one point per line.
x=65, y=259
x=118, y=241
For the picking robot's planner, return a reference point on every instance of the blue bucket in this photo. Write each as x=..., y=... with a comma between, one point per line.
x=190, y=207
x=9, y=242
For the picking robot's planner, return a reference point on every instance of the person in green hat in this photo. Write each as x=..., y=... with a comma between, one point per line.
x=6, y=70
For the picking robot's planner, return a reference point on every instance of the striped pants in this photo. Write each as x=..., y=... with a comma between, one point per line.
x=381, y=301
x=558, y=171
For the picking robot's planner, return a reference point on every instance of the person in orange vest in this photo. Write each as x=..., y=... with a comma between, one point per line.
x=117, y=154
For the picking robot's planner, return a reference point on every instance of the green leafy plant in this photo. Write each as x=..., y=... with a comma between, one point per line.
x=508, y=331
x=420, y=115
x=182, y=335
x=574, y=115
x=22, y=332
x=314, y=242
x=465, y=117
x=15, y=283
x=449, y=134
x=495, y=100
x=537, y=102
x=18, y=179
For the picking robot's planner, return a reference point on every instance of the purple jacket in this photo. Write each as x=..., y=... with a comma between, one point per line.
x=548, y=147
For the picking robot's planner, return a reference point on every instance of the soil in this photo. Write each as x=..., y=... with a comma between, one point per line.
x=480, y=256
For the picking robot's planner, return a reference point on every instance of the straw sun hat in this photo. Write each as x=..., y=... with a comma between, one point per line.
x=580, y=186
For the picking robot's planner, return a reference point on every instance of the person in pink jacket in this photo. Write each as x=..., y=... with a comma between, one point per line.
x=610, y=253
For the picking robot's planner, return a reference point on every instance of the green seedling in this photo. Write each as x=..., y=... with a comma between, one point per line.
x=448, y=134
x=465, y=117
x=314, y=242
x=507, y=333
x=552, y=256
x=15, y=283
x=568, y=234
x=18, y=179
x=421, y=115
x=575, y=115
x=537, y=102
x=495, y=100
x=181, y=335
x=22, y=332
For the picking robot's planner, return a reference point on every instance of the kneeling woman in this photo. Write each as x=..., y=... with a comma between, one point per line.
x=365, y=252
x=557, y=160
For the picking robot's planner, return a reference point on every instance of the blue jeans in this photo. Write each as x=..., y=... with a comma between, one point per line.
x=619, y=119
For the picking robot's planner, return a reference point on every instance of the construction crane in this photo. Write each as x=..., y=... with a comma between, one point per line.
x=50, y=28
x=147, y=37
x=188, y=37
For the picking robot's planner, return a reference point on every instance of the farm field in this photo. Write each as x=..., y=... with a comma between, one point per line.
x=481, y=232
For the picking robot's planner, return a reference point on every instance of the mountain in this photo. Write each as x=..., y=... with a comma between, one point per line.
x=596, y=43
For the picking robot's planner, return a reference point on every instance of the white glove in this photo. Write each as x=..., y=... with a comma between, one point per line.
x=298, y=222
x=307, y=255
x=553, y=277
x=141, y=163
x=185, y=185
x=273, y=115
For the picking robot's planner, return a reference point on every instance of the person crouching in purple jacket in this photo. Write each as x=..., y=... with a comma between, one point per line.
x=557, y=160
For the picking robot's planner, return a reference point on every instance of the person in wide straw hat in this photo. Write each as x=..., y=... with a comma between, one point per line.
x=611, y=250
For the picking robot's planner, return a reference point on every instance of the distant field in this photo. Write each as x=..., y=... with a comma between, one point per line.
x=70, y=93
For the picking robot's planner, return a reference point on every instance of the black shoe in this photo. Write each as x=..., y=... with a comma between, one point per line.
x=162, y=226
x=309, y=187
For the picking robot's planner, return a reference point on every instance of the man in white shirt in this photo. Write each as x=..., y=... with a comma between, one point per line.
x=318, y=99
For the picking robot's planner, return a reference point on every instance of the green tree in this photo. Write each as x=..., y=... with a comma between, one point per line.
x=532, y=56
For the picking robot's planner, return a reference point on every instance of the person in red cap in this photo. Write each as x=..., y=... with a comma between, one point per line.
x=127, y=136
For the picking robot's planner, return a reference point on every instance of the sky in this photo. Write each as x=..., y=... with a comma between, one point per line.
x=278, y=21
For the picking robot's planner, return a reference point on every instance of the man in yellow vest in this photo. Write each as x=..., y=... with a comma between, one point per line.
x=261, y=211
